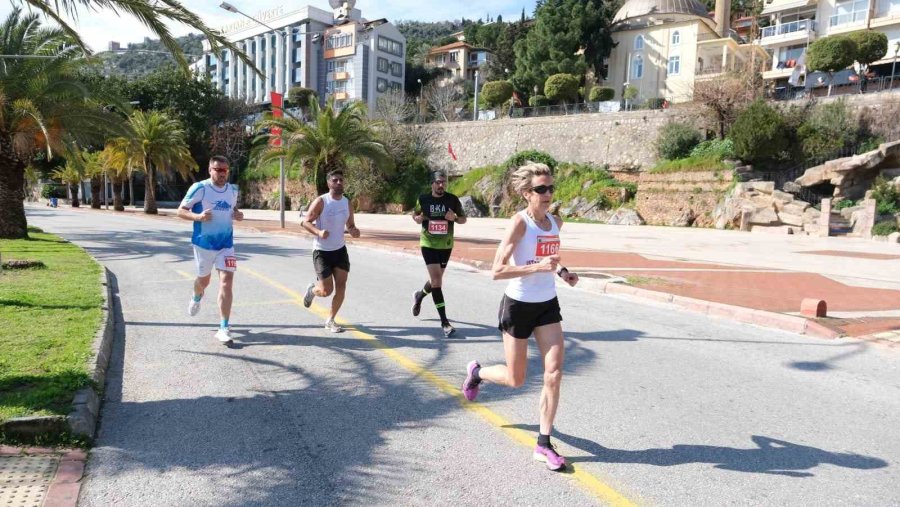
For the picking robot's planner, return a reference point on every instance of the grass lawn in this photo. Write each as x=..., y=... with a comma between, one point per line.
x=48, y=319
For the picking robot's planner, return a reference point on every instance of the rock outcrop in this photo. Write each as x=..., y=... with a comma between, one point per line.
x=852, y=176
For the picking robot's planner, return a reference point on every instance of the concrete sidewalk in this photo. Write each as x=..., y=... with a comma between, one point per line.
x=859, y=279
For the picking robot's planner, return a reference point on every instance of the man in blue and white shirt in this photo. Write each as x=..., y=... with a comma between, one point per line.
x=212, y=205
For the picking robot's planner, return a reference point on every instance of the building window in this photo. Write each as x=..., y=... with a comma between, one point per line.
x=676, y=38
x=381, y=85
x=849, y=11
x=637, y=67
x=396, y=69
x=298, y=55
x=639, y=43
x=674, y=65
x=298, y=75
x=454, y=56
x=390, y=46
x=339, y=40
x=298, y=34
x=440, y=59
x=396, y=87
x=383, y=65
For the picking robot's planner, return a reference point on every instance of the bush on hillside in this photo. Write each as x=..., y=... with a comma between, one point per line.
x=601, y=94
x=886, y=195
x=884, y=228
x=829, y=129
x=676, y=140
x=520, y=158
x=561, y=88
x=759, y=134
x=718, y=149
x=538, y=101
x=496, y=93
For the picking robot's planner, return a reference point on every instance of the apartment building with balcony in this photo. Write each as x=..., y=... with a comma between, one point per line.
x=338, y=53
x=458, y=60
x=794, y=24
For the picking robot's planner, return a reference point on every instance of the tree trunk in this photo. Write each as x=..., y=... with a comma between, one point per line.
x=96, y=186
x=150, y=192
x=13, y=224
x=73, y=189
x=117, y=187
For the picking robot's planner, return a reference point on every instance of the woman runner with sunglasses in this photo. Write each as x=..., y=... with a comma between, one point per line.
x=529, y=305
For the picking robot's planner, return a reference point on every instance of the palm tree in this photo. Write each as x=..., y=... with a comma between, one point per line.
x=70, y=175
x=152, y=13
x=325, y=144
x=117, y=164
x=42, y=108
x=157, y=145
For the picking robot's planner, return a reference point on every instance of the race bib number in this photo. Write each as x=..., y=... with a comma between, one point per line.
x=438, y=227
x=231, y=262
x=547, y=246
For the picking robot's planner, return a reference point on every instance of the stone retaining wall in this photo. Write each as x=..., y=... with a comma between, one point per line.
x=682, y=199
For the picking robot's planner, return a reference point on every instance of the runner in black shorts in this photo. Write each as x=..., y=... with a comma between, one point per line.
x=529, y=305
x=437, y=212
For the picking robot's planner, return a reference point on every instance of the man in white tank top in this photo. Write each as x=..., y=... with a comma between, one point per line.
x=327, y=217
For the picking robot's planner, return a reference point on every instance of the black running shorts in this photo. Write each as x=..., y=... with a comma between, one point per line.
x=326, y=261
x=519, y=319
x=436, y=256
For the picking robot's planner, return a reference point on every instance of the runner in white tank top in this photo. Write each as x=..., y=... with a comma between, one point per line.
x=529, y=257
x=328, y=216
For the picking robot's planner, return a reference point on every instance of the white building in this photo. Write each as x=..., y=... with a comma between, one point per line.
x=794, y=24
x=337, y=53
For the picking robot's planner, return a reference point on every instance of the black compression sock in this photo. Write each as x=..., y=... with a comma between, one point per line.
x=427, y=289
x=543, y=440
x=438, y=296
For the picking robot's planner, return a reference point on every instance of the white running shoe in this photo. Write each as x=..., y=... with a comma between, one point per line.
x=333, y=327
x=193, y=307
x=224, y=335
x=308, y=298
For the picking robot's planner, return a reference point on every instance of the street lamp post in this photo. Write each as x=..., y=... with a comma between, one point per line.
x=894, y=66
x=475, y=106
x=419, y=102
x=230, y=8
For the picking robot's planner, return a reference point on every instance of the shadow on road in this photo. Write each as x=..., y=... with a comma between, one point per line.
x=771, y=456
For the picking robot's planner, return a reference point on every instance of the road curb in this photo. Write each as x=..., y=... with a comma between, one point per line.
x=762, y=318
x=82, y=420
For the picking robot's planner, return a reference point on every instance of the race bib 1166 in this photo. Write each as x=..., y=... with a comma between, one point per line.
x=438, y=227
x=547, y=246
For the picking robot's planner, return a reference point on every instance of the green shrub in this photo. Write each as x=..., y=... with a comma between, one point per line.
x=829, y=129
x=869, y=144
x=759, y=134
x=676, y=140
x=601, y=94
x=520, y=158
x=465, y=184
x=870, y=46
x=719, y=149
x=561, y=88
x=538, y=101
x=886, y=195
x=408, y=182
x=52, y=190
x=630, y=93
x=571, y=179
x=690, y=164
x=496, y=93
x=884, y=228
x=843, y=204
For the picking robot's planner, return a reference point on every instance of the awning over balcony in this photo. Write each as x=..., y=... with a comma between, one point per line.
x=778, y=6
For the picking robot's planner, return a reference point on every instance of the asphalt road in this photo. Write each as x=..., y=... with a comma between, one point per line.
x=659, y=406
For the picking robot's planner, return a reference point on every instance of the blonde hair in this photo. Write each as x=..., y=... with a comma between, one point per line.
x=521, y=177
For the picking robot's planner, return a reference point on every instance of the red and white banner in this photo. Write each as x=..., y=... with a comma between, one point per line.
x=277, y=112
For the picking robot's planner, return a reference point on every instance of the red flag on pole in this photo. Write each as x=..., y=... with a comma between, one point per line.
x=277, y=112
x=450, y=151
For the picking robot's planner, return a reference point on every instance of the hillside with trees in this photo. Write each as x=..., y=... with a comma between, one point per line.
x=136, y=60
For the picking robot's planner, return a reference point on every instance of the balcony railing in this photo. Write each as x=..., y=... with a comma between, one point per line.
x=846, y=19
x=802, y=25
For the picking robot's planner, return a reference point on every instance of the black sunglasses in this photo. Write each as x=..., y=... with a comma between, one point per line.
x=543, y=189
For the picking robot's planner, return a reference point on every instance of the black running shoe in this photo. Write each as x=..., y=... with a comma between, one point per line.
x=417, y=302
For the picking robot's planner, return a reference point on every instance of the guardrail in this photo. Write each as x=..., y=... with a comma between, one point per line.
x=872, y=85
x=792, y=27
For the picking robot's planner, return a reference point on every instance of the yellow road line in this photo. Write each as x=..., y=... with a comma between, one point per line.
x=588, y=481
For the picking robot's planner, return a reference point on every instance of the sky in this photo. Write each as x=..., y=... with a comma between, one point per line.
x=97, y=28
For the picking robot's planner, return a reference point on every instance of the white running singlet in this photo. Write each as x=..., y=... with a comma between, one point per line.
x=333, y=219
x=531, y=249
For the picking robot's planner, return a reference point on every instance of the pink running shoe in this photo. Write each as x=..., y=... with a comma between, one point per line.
x=549, y=456
x=470, y=385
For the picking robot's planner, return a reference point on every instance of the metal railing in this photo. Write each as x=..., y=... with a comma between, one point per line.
x=846, y=19
x=802, y=25
x=872, y=85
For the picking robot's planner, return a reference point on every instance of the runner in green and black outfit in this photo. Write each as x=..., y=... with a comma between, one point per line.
x=437, y=212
